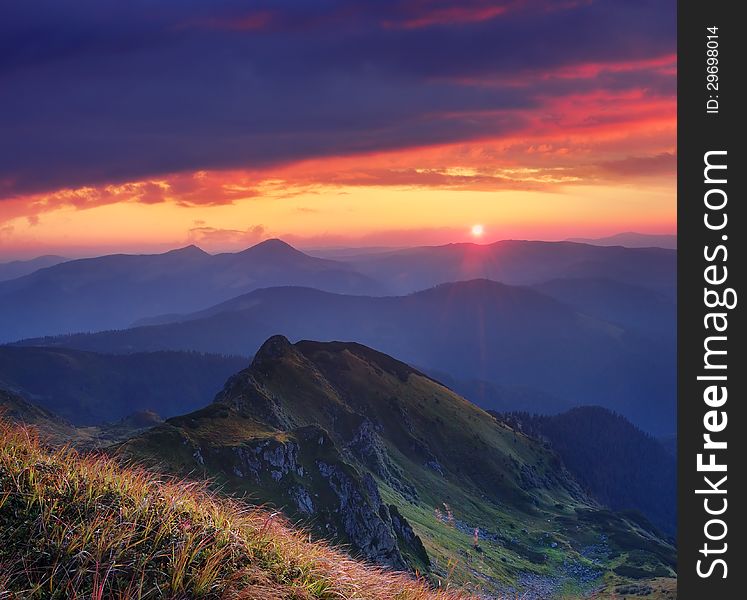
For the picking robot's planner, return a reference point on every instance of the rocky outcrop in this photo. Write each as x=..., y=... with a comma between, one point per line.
x=359, y=506
x=243, y=393
x=304, y=469
x=367, y=447
x=267, y=457
x=303, y=500
x=409, y=542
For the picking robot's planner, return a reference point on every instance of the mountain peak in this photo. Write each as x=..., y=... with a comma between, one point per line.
x=190, y=250
x=273, y=245
x=274, y=348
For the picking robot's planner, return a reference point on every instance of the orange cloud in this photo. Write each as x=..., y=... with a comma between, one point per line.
x=589, y=146
x=200, y=188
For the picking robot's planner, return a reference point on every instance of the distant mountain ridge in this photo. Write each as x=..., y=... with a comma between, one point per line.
x=113, y=291
x=19, y=268
x=636, y=307
x=117, y=291
x=474, y=330
x=519, y=262
x=632, y=239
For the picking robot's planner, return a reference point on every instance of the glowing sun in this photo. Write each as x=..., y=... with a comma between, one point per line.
x=477, y=230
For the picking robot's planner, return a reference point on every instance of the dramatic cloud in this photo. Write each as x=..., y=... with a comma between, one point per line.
x=385, y=122
x=666, y=162
x=101, y=92
x=200, y=188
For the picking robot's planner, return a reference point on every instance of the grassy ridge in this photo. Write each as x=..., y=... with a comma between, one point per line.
x=447, y=466
x=75, y=526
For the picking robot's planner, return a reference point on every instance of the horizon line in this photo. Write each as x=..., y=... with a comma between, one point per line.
x=344, y=248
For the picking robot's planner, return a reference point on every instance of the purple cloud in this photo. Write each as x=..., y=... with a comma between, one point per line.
x=95, y=90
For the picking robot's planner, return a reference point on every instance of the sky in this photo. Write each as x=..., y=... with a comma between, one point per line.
x=147, y=125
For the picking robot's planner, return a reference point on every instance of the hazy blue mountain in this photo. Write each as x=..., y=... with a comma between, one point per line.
x=519, y=262
x=114, y=291
x=87, y=388
x=634, y=307
x=348, y=253
x=670, y=443
x=502, y=398
x=631, y=239
x=620, y=465
x=476, y=330
x=19, y=268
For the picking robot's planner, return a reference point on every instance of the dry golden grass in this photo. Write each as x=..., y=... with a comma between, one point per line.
x=74, y=526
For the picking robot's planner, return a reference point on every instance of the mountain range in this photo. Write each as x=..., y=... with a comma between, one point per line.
x=19, y=268
x=632, y=239
x=113, y=291
x=519, y=262
x=86, y=398
x=476, y=330
x=508, y=448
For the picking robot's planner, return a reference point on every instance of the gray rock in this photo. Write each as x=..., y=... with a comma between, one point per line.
x=303, y=500
x=367, y=446
x=407, y=536
x=360, y=516
x=267, y=456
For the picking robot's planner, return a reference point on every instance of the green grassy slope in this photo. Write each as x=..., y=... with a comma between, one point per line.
x=311, y=426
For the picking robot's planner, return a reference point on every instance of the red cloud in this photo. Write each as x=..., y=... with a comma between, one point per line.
x=575, y=138
x=665, y=162
x=252, y=21
x=415, y=14
x=406, y=14
x=427, y=13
